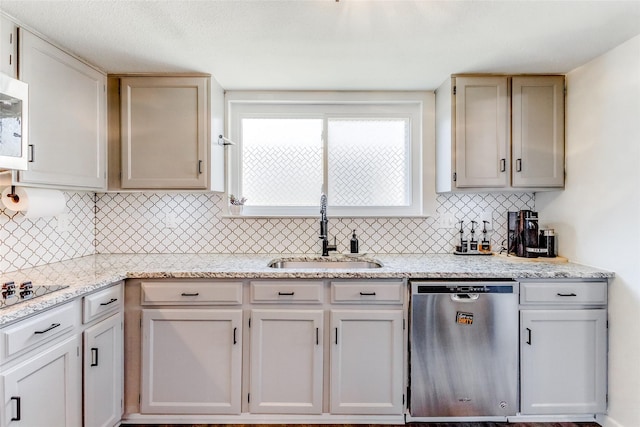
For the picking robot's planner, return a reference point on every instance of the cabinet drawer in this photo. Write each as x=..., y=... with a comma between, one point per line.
x=369, y=292
x=563, y=293
x=35, y=331
x=191, y=293
x=102, y=303
x=287, y=292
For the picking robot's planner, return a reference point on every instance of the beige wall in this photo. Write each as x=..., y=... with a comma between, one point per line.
x=597, y=216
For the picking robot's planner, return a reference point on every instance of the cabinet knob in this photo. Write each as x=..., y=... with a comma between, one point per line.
x=503, y=165
x=518, y=165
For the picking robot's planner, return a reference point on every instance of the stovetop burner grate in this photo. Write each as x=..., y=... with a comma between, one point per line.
x=26, y=291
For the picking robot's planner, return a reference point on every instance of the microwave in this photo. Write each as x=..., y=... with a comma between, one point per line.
x=14, y=123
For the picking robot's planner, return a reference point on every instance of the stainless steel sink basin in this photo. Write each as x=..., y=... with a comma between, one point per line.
x=334, y=264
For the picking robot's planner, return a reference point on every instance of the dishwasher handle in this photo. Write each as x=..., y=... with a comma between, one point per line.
x=464, y=297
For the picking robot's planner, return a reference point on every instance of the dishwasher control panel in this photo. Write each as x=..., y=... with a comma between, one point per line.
x=502, y=287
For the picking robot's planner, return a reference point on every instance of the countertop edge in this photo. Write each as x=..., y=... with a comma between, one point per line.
x=89, y=274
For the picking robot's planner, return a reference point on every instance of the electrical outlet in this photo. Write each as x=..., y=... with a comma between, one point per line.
x=486, y=215
x=446, y=220
x=170, y=220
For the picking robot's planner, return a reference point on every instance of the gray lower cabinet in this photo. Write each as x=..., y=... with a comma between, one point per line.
x=286, y=361
x=103, y=372
x=40, y=370
x=265, y=349
x=103, y=360
x=191, y=347
x=374, y=387
x=563, y=348
x=192, y=359
x=45, y=390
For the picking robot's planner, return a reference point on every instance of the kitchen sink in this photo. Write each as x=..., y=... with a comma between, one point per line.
x=329, y=263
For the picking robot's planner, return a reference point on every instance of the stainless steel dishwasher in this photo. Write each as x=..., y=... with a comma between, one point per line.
x=464, y=348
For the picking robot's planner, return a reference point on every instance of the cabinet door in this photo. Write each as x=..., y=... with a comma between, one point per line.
x=366, y=362
x=164, y=130
x=538, y=131
x=286, y=361
x=8, y=47
x=482, y=131
x=192, y=361
x=563, y=361
x=103, y=373
x=67, y=117
x=44, y=390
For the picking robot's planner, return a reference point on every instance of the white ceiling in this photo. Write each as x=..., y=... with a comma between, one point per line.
x=324, y=44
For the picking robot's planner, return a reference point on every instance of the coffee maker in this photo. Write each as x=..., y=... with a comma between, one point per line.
x=523, y=234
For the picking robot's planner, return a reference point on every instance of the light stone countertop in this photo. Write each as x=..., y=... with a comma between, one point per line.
x=88, y=274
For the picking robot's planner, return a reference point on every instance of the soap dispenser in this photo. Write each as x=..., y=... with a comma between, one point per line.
x=485, y=246
x=473, y=244
x=354, y=243
x=462, y=247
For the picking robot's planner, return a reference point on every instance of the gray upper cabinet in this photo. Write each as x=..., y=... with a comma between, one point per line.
x=482, y=131
x=67, y=118
x=500, y=133
x=164, y=131
x=8, y=47
x=537, y=137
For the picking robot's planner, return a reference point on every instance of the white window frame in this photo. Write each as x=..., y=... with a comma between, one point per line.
x=326, y=105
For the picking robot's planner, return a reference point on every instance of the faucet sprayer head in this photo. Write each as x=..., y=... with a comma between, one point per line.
x=323, y=204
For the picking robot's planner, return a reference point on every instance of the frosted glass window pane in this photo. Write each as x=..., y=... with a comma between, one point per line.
x=282, y=161
x=369, y=162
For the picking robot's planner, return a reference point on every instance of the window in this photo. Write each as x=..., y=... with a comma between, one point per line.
x=364, y=154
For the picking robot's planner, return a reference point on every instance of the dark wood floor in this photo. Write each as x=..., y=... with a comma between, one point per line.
x=463, y=424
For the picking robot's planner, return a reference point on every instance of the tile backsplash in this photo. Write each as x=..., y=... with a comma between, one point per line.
x=28, y=242
x=198, y=223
